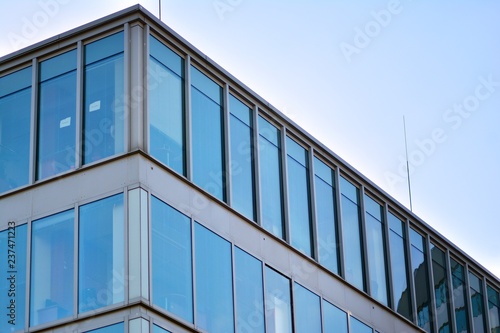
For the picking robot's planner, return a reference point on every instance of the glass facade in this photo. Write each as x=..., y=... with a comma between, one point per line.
x=103, y=116
x=15, y=128
x=493, y=309
x=299, y=214
x=351, y=229
x=278, y=303
x=459, y=297
x=207, y=134
x=441, y=295
x=116, y=328
x=334, y=319
x=477, y=303
x=241, y=164
x=374, y=230
x=359, y=327
x=166, y=106
x=307, y=310
x=158, y=329
x=271, y=178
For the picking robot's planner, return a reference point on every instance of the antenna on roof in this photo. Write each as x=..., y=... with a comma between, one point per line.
x=407, y=164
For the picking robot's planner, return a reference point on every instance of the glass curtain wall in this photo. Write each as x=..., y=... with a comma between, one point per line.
x=15, y=128
x=477, y=303
x=116, y=328
x=166, y=106
x=57, y=105
x=334, y=319
x=278, y=303
x=493, y=309
x=459, y=297
x=441, y=295
x=307, y=310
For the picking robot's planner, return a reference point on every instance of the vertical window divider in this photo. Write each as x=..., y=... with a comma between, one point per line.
x=127, y=87
x=146, y=68
x=364, y=250
x=470, y=316
x=79, y=104
x=387, y=253
x=226, y=180
x=193, y=272
x=149, y=223
x=312, y=205
x=486, y=304
x=292, y=302
x=34, y=120
x=233, y=280
x=187, y=115
x=340, y=233
x=284, y=185
x=76, y=266
x=126, y=247
x=264, y=294
x=449, y=277
x=410, y=271
x=430, y=277
x=29, y=258
x=255, y=164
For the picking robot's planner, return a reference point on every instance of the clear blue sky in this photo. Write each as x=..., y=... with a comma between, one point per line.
x=347, y=72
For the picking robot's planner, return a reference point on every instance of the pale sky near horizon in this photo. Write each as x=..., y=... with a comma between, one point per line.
x=347, y=72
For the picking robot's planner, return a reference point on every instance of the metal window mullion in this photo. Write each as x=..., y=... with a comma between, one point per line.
x=226, y=181
x=76, y=264
x=145, y=74
x=187, y=118
x=79, y=105
x=33, y=126
x=264, y=294
x=193, y=271
x=29, y=259
x=411, y=281
x=291, y=284
x=256, y=165
x=363, y=240
x=150, y=247
x=126, y=247
x=233, y=276
x=387, y=253
x=430, y=276
x=127, y=86
x=468, y=297
x=313, y=225
x=339, y=220
x=449, y=286
x=284, y=186
x=486, y=316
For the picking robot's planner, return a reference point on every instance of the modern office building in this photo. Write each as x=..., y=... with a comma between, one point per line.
x=144, y=189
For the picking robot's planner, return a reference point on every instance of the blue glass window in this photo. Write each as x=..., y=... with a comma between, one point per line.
x=421, y=280
x=103, y=120
x=242, y=175
x=116, y=328
x=399, y=267
x=52, y=268
x=351, y=229
x=459, y=297
x=334, y=319
x=101, y=280
x=56, y=150
x=158, y=329
x=171, y=260
x=13, y=276
x=207, y=134
x=307, y=310
x=493, y=309
x=477, y=303
x=166, y=106
x=278, y=303
x=298, y=197
x=374, y=229
x=214, y=286
x=249, y=293
x=359, y=327
x=326, y=220
x=270, y=178
x=15, y=123
x=441, y=296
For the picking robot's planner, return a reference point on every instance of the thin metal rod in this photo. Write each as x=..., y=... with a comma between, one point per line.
x=159, y=7
x=407, y=164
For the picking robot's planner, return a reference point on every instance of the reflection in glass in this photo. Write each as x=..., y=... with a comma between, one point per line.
x=477, y=304
x=298, y=197
x=158, y=329
x=116, y=328
x=440, y=289
x=101, y=254
x=334, y=319
x=166, y=106
x=374, y=225
x=13, y=288
x=249, y=293
x=421, y=280
x=270, y=178
x=399, y=267
x=103, y=120
x=171, y=260
x=351, y=229
x=56, y=149
x=459, y=297
x=278, y=303
x=51, y=295
x=326, y=220
x=214, y=287
x=207, y=136
x=307, y=310
x=242, y=175
x=15, y=128
x=359, y=327
x=494, y=309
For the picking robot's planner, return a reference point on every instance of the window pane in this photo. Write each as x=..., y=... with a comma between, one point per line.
x=214, y=287
x=494, y=310
x=207, y=138
x=57, y=115
x=278, y=303
x=326, y=216
x=441, y=297
x=116, y=328
x=298, y=197
x=15, y=122
x=353, y=259
x=359, y=327
x=399, y=266
x=13, y=276
x=334, y=319
x=307, y=312
x=101, y=254
x=166, y=106
x=171, y=260
x=459, y=297
x=421, y=280
x=249, y=293
x=158, y=329
x=104, y=99
x=477, y=304
x=376, y=250
x=52, y=268
x=270, y=178
x=242, y=176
